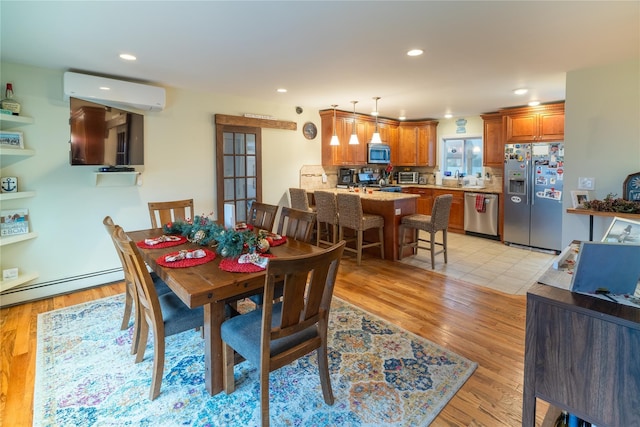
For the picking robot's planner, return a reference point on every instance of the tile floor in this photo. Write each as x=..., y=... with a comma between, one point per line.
x=487, y=263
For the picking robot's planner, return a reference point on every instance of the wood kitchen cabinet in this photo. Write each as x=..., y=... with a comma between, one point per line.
x=417, y=143
x=354, y=155
x=535, y=124
x=424, y=204
x=493, y=142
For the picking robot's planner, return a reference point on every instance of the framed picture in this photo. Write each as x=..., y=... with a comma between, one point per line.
x=11, y=139
x=623, y=230
x=578, y=197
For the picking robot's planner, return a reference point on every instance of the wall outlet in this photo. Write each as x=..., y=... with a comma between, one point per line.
x=10, y=273
x=586, y=183
x=398, y=212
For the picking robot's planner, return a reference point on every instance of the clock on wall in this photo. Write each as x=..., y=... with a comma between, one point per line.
x=631, y=187
x=309, y=130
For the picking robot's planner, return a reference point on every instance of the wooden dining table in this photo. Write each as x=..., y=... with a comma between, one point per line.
x=208, y=286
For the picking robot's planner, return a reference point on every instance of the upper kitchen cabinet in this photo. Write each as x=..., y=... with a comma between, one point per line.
x=535, y=124
x=493, y=144
x=417, y=143
x=352, y=155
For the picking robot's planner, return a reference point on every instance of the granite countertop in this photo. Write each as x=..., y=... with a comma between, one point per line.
x=493, y=189
x=374, y=195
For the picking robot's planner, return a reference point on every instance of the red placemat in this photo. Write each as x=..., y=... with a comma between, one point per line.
x=141, y=244
x=232, y=265
x=187, y=262
x=280, y=241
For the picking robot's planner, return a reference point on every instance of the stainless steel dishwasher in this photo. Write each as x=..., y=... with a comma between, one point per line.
x=481, y=214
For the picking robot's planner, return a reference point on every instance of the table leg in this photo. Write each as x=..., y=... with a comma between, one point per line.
x=213, y=318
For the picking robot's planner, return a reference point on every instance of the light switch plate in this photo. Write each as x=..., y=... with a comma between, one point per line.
x=586, y=183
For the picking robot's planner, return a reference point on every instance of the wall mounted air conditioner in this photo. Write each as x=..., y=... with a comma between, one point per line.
x=116, y=92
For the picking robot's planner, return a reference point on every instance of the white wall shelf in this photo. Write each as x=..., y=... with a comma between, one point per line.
x=8, y=121
x=116, y=179
x=17, y=195
x=8, y=240
x=16, y=152
x=21, y=279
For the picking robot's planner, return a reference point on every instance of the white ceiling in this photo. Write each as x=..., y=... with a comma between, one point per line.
x=332, y=52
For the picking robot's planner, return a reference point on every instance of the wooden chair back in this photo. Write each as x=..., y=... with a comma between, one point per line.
x=262, y=215
x=164, y=212
x=296, y=224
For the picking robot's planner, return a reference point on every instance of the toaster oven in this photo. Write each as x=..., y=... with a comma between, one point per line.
x=408, y=177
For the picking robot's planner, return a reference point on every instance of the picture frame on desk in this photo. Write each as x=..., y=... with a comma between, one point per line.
x=623, y=230
x=578, y=197
x=10, y=139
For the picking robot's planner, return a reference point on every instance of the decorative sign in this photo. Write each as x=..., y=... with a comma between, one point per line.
x=9, y=184
x=461, y=126
x=15, y=221
x=631, y=187
x=11, y=139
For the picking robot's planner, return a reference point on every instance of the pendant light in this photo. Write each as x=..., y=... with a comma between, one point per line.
x=354, y=137
x=375, y=138
x=334, y=138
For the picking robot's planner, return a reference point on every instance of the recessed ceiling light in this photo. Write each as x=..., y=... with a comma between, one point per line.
x=415, y=52
x=533, y=103
x=402, y=118
x=521, y=91
x=104, y=88
x=282, y=90
x=448, y=116
x=127, y=57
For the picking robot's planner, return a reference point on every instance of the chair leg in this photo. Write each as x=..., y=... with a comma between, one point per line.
x=444, y=244
x=334, y=233
x=142, y=340
x=158, y=364
x=433, y=248
x=359, y=246
x=381, y=238
x=323, y=371
x=401, y=231
x=137, y=320
x=128, y=303
x=227, y=364
x=264, y=395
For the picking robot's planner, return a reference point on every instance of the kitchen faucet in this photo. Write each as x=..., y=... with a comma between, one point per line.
x=457, y=174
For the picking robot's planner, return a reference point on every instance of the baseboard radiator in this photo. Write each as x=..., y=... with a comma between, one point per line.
x=41, y=290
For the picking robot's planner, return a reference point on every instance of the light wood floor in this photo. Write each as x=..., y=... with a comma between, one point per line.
x=481, y=324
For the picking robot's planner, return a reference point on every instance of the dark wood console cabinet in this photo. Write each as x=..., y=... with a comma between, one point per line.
x=582, y=354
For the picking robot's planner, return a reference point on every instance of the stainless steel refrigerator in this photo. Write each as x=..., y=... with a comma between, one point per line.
x=533, y=181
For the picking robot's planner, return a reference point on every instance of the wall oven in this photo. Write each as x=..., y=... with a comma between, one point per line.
x=378, y=153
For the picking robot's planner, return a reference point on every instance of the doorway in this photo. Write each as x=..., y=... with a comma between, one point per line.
x=238, y=166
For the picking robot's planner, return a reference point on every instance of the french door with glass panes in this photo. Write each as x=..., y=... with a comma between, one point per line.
x=238, y=154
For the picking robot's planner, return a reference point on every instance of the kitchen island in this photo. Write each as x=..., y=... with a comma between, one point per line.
x=392, y=207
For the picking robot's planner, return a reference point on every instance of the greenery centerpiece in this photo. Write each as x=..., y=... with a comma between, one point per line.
x=228, y=242
x=612, y=203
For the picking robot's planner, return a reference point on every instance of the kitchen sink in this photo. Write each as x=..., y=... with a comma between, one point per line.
x=450, y=182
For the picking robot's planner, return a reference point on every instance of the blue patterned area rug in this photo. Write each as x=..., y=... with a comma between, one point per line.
x=381, y=375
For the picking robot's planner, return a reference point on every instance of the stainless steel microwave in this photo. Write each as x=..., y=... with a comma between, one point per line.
x=378, y=153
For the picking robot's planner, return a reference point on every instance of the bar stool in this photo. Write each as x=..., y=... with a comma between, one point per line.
x=437, y=221
x=351, y=216
x=327, y=222
x=300, y=199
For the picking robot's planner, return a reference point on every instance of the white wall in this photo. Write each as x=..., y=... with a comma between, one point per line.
x=67, y=212
x=602, y=137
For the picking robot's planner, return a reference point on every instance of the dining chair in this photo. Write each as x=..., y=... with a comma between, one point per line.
x=284, y=331
x=437, y=221
x=300, y=199
x=130, y=294
x=352, y=217
x=327, y=220
x=164, y=212
x=262, y=215
x=164, y=314
x=296, y=225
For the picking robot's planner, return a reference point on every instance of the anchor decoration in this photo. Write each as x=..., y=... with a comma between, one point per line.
x=9, y=184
